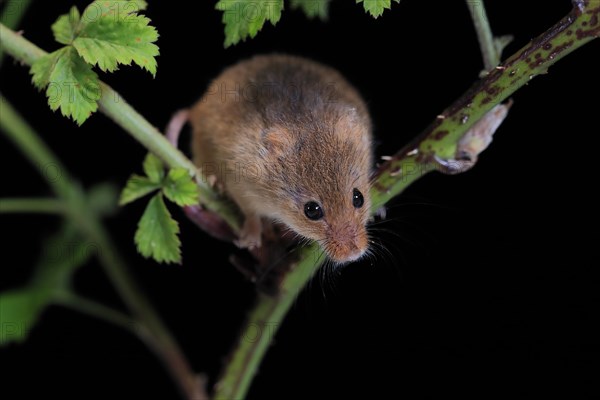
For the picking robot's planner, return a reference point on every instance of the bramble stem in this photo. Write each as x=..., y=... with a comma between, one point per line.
x=11, y=16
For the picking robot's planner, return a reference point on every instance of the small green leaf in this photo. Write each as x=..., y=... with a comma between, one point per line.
x=243, y=18
x=376, y=7
x=66, y=25
x=154, y=168
x=70, y=83
x=313, y=8
x=180, y=188
x=112, y=33
x=137, y=187
x=157, y=231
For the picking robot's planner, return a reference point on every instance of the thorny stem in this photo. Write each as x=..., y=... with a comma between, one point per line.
x=11, y=16
x=264, y=319
x=417, y=159
x=151, y=329
x=439, y=140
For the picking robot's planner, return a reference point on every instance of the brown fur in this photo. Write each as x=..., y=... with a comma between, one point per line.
x=280, y=131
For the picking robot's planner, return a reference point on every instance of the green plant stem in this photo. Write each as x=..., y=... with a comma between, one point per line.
x=12, y=14
x=37, y=206
x=418, y=158
x=491, y=55
x=33, y=148
x=97, y=310
x=152, y=329
x=266, y=316
x=158, y=338
x=113, y=105
x=439, y=141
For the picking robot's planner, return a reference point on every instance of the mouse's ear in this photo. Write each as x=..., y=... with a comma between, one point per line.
x=277, y=140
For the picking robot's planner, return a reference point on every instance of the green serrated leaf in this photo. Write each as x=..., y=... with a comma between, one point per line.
x=313, y=8
x=70, y=83
x=66, y=25
x=157, y=232
x=137, y=187
x=42, y=69
x=112, y=33
x=244, y=18
x=154, y=168
x=376, y=7
x=180, y=188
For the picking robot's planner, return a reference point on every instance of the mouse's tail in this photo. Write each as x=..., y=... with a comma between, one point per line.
x=179, y=119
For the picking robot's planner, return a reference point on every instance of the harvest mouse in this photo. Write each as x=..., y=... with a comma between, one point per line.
x=289, y=140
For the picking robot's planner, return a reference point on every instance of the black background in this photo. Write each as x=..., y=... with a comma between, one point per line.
x=487, y=286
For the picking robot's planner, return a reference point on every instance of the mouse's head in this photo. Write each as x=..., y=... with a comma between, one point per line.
x=326, y=180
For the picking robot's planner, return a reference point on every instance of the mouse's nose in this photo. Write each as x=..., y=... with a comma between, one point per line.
x=347, y=246
x=354, y=254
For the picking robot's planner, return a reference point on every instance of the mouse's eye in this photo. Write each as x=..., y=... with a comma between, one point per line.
x=357, y=199
x=313, y=211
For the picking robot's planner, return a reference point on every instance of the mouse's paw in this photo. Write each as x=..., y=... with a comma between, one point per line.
x=215, y=184
x=251, y=234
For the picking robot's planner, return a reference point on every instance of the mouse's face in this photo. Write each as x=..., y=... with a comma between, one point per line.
x=327, y=189
x=338, y=223
x=335, y=219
